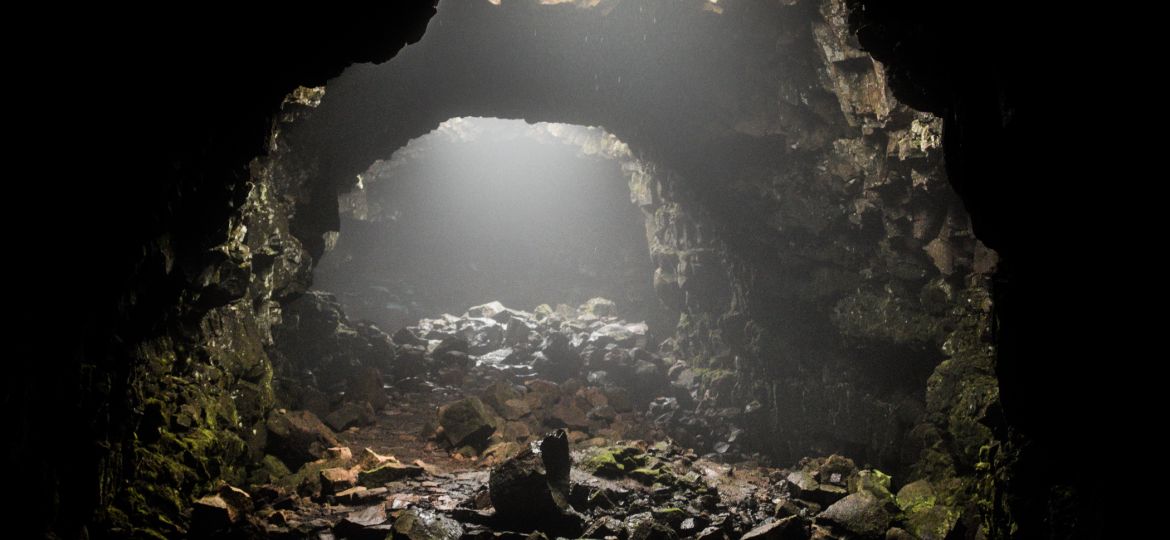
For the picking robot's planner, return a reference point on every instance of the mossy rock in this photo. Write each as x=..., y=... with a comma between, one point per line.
x=916, y=495
x=670, y=515
x=873, y=481
x=651, y=476
x=932, y=522
x=603, y=464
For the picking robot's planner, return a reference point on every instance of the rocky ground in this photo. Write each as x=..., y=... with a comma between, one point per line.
x=555, y=423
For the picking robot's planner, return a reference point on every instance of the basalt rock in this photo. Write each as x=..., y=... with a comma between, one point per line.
x=297, y=437
x=466, y=423
x=531, y=489
x=415, y=524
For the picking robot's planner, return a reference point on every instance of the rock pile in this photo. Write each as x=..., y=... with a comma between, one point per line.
x=558, y=404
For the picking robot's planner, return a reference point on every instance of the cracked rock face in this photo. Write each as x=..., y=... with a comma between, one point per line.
x=830, y=294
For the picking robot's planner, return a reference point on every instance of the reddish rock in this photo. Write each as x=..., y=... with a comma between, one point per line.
x=336, y=479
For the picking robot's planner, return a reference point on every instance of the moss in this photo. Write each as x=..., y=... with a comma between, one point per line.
x=670, y=514
x=603, y=464
x=873, y=481
x=644, y=475
x=654, y=475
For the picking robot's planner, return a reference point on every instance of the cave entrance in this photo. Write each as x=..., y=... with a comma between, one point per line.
x=487, y=209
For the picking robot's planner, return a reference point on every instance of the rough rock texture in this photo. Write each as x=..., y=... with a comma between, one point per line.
x=799, y=219
x=531, y=489
x=791, y=201
x=298, y=437
x=157, y=386
x=423, y=525
x=466, y=423
x=1004, y=119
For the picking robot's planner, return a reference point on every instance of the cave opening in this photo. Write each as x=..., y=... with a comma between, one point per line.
x=484, y=209
x=420, y=298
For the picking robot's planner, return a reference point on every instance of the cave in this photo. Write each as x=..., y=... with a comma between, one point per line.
x=561, y=268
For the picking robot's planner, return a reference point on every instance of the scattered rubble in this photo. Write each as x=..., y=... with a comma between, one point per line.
x=554, y=423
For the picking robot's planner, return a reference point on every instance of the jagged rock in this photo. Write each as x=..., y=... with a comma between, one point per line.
x=212, y=513
x=297, y=437
x=466, y=423
x=488, y=310
x=404, y=336
x=652, y=529
x=926, y=518
x=936, y=522
x=450, y=344
x=541, y=393
x=567, y=413
x=599, y=307
x=711, y=533
x=825, y=494
x=612, y=333
x=899, y=534
x=873, y=481
x=351, y=414
x=416, y=524
x=500, y=393
x=368, y=523
x=336, y=479
x=532, y=487
x=516, y=332
x=861, y=513
x=369, y=459
x=516, y=431
x=387, y=473
x=221, y=510
x=602, y=527
x=366, y=386
x=789, y=528
x=917, y=493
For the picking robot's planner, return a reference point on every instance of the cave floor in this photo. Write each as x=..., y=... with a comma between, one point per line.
x=505, y=424
x=685, y=492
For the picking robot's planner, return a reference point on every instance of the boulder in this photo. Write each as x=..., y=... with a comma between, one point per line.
x=336, y=479
x=297, y=437
x=351, y=414
x=899, y=534
x=926, y=518
x=488, y=310
x=599, y=307
x=873, y=481
x=567, y=413
x=541, y=393
x=219, y=511
x=789, y=528
x=602, y=527
x=210, y=514
x=451, y=344
x=652, y=529
x=386, y=473
x=500, y=392
x=531, y=489
x=612, y=333
x=862, y=514
x=406, y=337
x=417, y=524
x=466, y=422
x=366, y=524
x=365, y=385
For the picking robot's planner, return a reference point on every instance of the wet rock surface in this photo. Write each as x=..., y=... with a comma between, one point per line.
x=513, y=448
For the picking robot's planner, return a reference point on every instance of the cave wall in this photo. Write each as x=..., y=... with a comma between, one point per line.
x=833, y=296
x=163, y=257
x=161, y=178
x=1004, y=80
